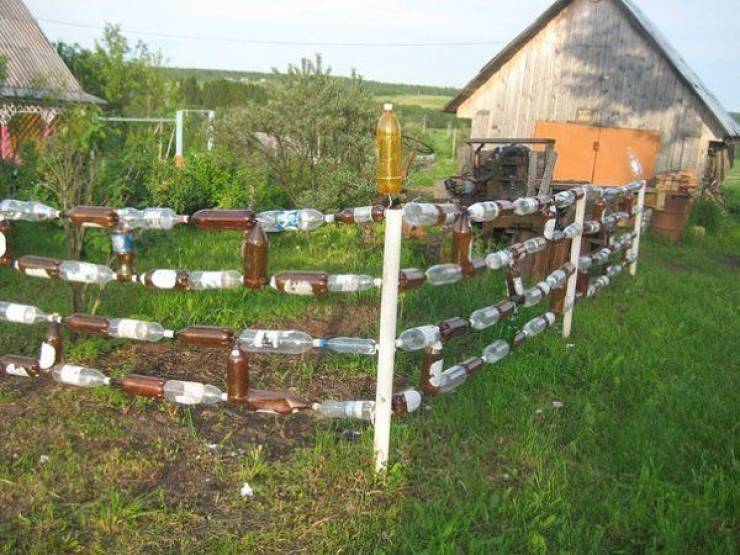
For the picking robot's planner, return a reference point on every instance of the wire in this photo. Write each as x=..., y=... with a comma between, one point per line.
x=277, y=43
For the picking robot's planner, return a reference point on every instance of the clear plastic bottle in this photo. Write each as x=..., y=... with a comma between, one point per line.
x=564, y=198
x=149, y=218
x=416, y=339
x=536, y=244
x=227, y=279
x=451, y=379
x=535, y=295
x=496, y=351
x=306, y=219
x=138, y=330
x=443, y=274
x=85, y=272
x=80, y=376
x=584, y=263
x=486, y=211
x=422, y=214
x=526, y=205
x=22, y=314
x=601, y=257
x=557, y=279
x=614, y=270
x=361, y=410
x=347, y=283
x=590, y=227
x=29, y=211
x=290, y=342
x=351, y=345
x=634, y=163
x=389, y=163
x=573, y=231
x=538, y=325
x=595, y=192
x=192, y=393
x=485, y=317
x=499, y=259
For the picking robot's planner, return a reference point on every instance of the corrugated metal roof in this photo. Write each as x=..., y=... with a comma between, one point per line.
x=643, y=25
x=33, y=68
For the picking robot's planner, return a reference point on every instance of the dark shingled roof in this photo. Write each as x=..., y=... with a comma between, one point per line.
x=643, y=25
x=33, y=69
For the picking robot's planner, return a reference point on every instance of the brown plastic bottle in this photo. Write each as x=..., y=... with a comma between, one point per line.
x=514, y=283
x=432, y=364
x=6, y=250
x=165, y=279
x=410, y=279
x=472, y=365
x=301, y=283
x=399, y=406
x=361, y=215
x=505, y=208
x=237, y=375
x=453, y=327
x=256, y=250
x=93, y=216
x=145, y=386
x=52, y=348
x=475, y=267
x=239, y=220
x=86, y=323
x=16, y=365
x=517, y=250
x=122, y=245
x=38, y=266
x=506, y=308
x=462, y=240
x=276, y=402
x=519, y=338
x=206, y=336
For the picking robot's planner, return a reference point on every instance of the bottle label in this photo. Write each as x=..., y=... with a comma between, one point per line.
x=122, y=243
x=192, y=393
x=70, y=374
x=15, y=370
x=518, y=286
x=287, y=220
x=435, y=370
x=549, y=228
x=128, y=328
x=211, y=280
x=363, y=214
x=36, y=272
x=298, y=287
x=16, y=313
x=164, y=279
x=47, y=356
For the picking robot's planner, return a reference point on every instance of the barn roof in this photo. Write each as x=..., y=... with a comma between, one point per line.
x=643, y=25
x=33, y=68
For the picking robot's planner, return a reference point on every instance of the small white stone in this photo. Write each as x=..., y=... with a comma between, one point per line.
x=558, y=404
x=43, y=459
x=246, y=490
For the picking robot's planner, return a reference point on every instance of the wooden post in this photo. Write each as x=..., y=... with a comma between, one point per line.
x=575, y=253
x=635, y=251
x=387, y=337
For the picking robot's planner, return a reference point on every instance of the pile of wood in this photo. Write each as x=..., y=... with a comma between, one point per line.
x=674, y=182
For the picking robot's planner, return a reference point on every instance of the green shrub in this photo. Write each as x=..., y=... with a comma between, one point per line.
x=707, y=213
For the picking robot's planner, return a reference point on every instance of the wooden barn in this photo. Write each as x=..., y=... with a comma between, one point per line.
x=598, y=77
x=35, y=84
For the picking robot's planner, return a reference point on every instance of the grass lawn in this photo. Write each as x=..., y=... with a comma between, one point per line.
x=642, y=455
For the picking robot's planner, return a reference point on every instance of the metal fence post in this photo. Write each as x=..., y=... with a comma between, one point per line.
x=575, y=253
x=639, y=217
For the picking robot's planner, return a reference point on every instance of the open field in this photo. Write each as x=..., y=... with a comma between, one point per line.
x=642, y=456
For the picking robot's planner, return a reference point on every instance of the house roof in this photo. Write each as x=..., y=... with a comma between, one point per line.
x=33, y=69
x=643, y=25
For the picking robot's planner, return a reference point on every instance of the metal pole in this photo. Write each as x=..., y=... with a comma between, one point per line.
x=575, y=253
x=179, y=121
x=211, y=117
x=387, y=337
x=638, y=228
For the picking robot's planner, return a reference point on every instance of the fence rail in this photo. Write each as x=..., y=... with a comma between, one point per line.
x=569, y=282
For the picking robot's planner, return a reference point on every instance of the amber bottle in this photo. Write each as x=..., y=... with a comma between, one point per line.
x=165, y=279
x=52, y=348
x=16, y=365
x=256, y=249
x=122, y=245
x=86, y=323
x=239, y=220
x=514, y=283
x=93, y=216
x=453, y=327
x=432, y=364
x=276, y=402
x=38, y=266
x=361, y=215
x=462, y=240
x=6, y=251
x=237, y=375
x=301, y=283
x=410, y=279
x=206, y=336
x=146, y=386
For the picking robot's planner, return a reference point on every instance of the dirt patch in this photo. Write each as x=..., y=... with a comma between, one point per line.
x=732, y=261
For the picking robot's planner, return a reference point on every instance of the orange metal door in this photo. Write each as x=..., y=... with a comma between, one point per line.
x=599, y=154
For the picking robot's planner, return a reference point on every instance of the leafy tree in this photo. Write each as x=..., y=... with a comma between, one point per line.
x=314, y=133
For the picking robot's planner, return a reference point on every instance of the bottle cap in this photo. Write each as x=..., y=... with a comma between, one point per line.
x=388, y=107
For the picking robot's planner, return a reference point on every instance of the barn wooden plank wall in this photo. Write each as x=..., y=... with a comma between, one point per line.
x=590, y=60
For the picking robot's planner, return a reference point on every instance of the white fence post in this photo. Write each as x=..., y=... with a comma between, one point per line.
x=639, y=218
x=179, y=124
x=387, y=337
x=575, y=253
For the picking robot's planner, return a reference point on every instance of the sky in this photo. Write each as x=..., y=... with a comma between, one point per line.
x=709, y=39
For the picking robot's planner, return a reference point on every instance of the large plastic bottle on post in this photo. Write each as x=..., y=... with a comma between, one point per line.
x=388, y=150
